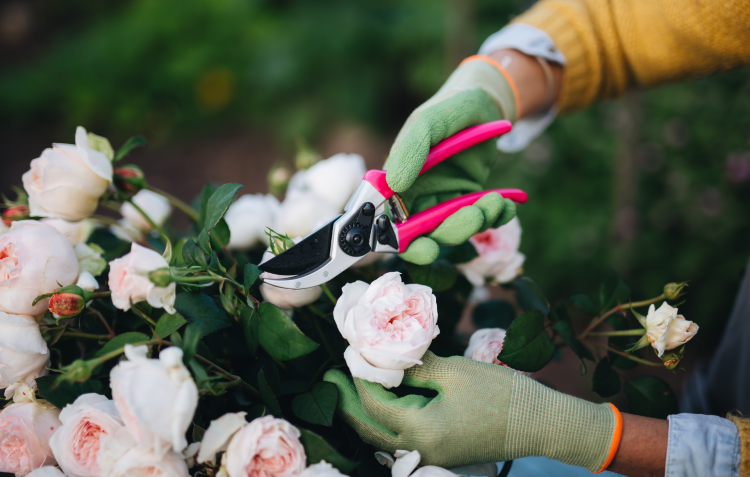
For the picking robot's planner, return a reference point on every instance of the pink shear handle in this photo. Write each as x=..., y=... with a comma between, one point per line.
x=444, y=149
x=428, y=220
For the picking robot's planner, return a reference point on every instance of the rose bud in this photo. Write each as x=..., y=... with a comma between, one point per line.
x=129, y=178
x=15, y=212
x=161, y=277
x=672, y=290
x=66, y=304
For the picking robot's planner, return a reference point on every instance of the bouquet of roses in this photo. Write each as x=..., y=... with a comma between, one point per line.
x=128, y=347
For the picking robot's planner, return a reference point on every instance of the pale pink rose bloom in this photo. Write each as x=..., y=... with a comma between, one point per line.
x=67, y=180
x=666, y=329
x=499, y=258
x=25, y=431
x=137, y=462
x=85, y=423
x=285, y=298
x=34, y=258
x=156, y=206
x=248, y=218
x=321, y=469
x=129, y=282
x=23, y=352
x=46, y=471
x=219, y=432
x=75, y=232
x=389, y=326
x=266, y=447
x=485, y=345
x=156, y=398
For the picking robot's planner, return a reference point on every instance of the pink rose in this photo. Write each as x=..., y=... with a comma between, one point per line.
x=34, y=259
x=389, y=326
x=129, y=282
x=85, y=423
x=25, y=431
x=137, y=462
x=499, y=258
x=23, y=352
x=156, y=398
x=485, y=345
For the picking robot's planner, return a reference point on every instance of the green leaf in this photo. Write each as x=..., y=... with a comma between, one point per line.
x=219, y=203
x=318, y=405
x=493, y=314
x=621, y=343
x=559, y=313
x=566, y=332
x=252, y=272
x=606, y=382
x=130, y=144
x=527, y=346
x=462, y=253
x=585, y=303
x=121, y=340
x=188, y=251
x=220, y=235
x=198, y=433
x=530, y=296
x=250, y=327
x=200, y=308
x=190, y=340
x=168, y=324
x=64, y=393
x=279, y=336
x=200, y=258
x=204, y=241
x=440, y=275
x=167, y=249
x=651, y=397
x=269, y=399
x=318, y=449
x=613, y=290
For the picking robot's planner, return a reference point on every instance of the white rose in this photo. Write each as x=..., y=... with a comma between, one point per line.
x=334, y=180
x=87, y=282
x=666, y=329
x=389, y=326
x=302, y=213
x=485, y=345
x=76, y=445
x=137, y=462
x=248, y=218
x=499, y=258
x=46, y=471
x=129, y=282
x=89, y=258
x=74, y=231
x=285, y=298
x=67, y=180
x=23, y=352
x=156, y=398
x=34, y=259
x=321, y=469
x=156, y=206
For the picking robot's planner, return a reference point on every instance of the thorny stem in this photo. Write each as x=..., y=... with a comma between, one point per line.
x=328, y=293
x=625, y=355
x=637, y=304
x=189, y=211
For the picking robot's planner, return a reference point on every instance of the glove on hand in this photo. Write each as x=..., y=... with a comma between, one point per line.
x=477, y=92
x=482, y=413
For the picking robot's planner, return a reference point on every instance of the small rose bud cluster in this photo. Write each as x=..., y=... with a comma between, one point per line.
x=15, y=212
x=129, y=179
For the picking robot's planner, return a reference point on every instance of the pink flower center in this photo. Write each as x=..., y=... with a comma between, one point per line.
x=86, y=446
x=397, y=323
x=487, y=241
x=270, y=463
x=8, y=261
x=14, y=454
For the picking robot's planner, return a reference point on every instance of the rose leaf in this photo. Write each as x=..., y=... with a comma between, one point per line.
x=219, y=203
x=168, y=324
x=279, y=336
x=613, y=290
x=250, y=327
x=64, y=393
x=199, y=307
x=318, y=405
x=121, y=340
x=318, y=449
x=527, y=346
x=530, y=296
x=266, y=394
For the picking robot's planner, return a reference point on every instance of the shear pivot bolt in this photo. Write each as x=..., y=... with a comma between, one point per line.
x=325, y=274
x=297, y=285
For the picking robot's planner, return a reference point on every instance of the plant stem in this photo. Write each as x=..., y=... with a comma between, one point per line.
x=103, y=294
x=625, y=355
x=637, y=332
x=200, y=278
x=149, y=220
x=597, y=321
x=189, y=211
x=101, y=318
x=76, y=334
x=328, y=293
x=224, y=373
x=144, y=315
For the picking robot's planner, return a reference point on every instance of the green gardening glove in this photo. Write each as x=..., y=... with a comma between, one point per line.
x=482, y=413
x=477, y=92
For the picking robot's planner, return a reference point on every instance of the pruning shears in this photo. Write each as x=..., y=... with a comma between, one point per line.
x=365, y=228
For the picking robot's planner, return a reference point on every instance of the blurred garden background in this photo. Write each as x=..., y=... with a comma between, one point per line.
x=652, y=185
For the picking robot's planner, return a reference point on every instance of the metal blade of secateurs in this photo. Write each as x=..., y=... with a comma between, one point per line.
x=309, y=254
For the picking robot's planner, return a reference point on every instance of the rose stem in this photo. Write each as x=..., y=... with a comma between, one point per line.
x=637, y=304
x=625, y=355
x=328, y=293
x=96, y=313
x=76, y=334
x=148, y=219
x=189, y=211
x=637, y=332
x=144, y=315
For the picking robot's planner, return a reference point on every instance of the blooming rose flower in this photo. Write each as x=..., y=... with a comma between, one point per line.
x=25, y=430
x=129, y=282
x=285, y=298
x=302, y=213
x=46, y=471
x=74, y=231
x=321, y=469
x=334, y=180
x=248, y=218
x=485, y=345
x=156, y=398
x=23, y=352
x=666, y=329
x=499, y=258
x=389, y=326
x=76, y=445
x=34, y=259
x=137, y=462
x=156, y=206
x=67, y=180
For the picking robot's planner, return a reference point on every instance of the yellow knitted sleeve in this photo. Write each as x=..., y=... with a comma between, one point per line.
x=614, y=45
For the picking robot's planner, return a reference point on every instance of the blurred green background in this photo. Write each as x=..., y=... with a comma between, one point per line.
x=652, y=184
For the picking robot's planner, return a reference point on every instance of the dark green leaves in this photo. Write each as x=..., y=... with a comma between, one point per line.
x=252, y=272
x=530, y=296
x=606, y=381
x=168, y=324
x=64, y=393
x=269, y=399
x=651, y=397
x=200, y=308
x=219, y=203
x=585, y=303
x=613, y=290
x=566, y=332
x=493, y=314
x=318, y=405
x=130, y=144
x=279, y=336
x=251, y=328
x=318, y=449
x=121, y=340
x=439, y=275
x=193, y=335
x=462, y=253
x=527, y=346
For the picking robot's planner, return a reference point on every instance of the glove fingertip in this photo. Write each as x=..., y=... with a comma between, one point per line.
x=422, y=251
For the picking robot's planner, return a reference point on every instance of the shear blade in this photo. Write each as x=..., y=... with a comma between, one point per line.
x=309, y=254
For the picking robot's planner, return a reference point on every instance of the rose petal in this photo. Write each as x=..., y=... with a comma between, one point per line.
x=219, y=432
x=406, y=462
x=361, y=369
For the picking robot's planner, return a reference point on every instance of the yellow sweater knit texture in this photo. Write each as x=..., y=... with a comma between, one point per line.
x=612, y=46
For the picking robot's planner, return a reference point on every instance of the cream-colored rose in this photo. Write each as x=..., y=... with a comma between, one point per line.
x=89, y=258
x=25, y=430
x=34, y=259
x=156, y=398
x=77, y=443
x=485, y=345
x=285, y=298
x=333, y=180
x=248, y=218
x=666, y=329
x=321, y=469
x=129, y=282
x=137, y=462
x=23, y=352
x=67, y=180
x=46, y=471
x=389, y=326
x=76, y=232
x=156, y=206
x=499, y=258
x=302, y=213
